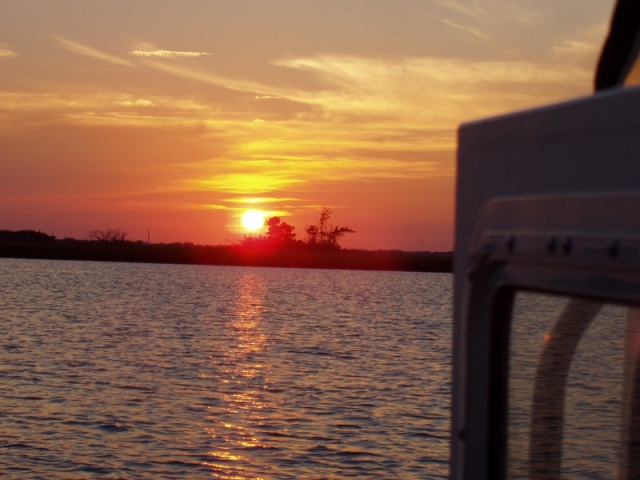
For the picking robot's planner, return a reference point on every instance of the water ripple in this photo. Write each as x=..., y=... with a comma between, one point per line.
x=164, y=371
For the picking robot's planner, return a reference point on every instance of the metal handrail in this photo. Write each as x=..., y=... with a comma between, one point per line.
x=547, y=417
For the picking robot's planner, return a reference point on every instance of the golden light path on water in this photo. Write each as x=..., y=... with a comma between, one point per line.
x=245, y=327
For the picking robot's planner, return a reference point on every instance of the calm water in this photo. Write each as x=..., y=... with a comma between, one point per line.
x=165, y=371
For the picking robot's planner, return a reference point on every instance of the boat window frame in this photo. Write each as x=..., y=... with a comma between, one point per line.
x=539, y=257
x=487, y=362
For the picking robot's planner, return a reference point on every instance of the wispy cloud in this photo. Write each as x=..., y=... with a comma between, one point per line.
x=139, y=102
x=101, y=108
x=433, y=92
x=474, y=9
x=248, y=183
x=470, y=30
x=92, y=52
x=239, y=176
x=491, y=12
x=242, y=85
x=575, y=49
x=5, y=51
x=167, y=53
x=260, y=200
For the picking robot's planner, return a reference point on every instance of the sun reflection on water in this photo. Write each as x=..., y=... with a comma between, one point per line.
x=241, y=388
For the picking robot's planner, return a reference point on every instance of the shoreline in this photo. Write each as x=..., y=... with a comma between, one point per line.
x=189, y=254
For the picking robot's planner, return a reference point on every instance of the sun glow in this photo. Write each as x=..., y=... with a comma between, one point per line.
x=253, y=220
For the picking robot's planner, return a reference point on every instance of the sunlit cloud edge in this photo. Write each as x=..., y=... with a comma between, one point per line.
x=6, y=51
x=167, y=53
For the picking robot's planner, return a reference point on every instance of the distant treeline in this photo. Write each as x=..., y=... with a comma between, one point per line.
x=25, y=236
x=29, y=244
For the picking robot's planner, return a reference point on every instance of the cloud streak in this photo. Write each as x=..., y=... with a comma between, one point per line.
x=256, y=88
x=469, y=30
x=167, y=54
x=6, y=52
x=491, y=12
x=91, y=52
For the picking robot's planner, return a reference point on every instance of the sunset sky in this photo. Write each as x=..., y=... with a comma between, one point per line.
x=177, y=117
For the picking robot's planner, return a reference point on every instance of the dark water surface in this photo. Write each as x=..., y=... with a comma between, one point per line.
x=112, y=370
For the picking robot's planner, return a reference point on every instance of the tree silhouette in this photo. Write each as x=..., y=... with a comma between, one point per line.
x=322, y=236
x=25, y=236
x=279, y=232
x=325, y=235
x=108, y=235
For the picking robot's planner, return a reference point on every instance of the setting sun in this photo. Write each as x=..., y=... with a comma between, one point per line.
x=253, y=220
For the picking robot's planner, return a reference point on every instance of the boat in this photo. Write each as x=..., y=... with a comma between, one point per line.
x=546, y=365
